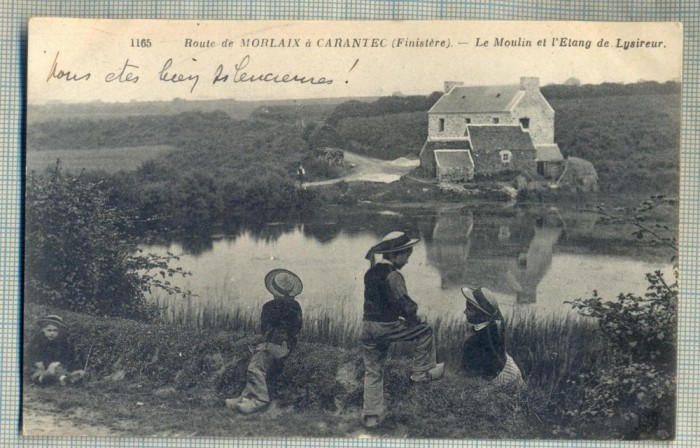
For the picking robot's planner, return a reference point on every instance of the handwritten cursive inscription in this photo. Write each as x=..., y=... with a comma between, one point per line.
x=56, y=73
x=166, y=76
x=239, y=76
x=129, y=72
x=124, y=74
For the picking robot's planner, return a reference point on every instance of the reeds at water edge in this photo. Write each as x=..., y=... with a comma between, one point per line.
x=549, y=350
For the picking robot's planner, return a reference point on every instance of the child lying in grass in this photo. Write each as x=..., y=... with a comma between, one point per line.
x=280, y=323
x=50, y=354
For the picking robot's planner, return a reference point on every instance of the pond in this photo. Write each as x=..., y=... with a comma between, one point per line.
x=533, y=259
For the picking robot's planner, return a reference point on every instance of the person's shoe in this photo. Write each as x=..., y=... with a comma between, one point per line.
x=250, y=406
x=232, y=402
x=433, y=374
x=76, y=377
x=371, y=421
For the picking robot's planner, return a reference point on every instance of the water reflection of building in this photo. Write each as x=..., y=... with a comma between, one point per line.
x=508, y=253
x=449, y=248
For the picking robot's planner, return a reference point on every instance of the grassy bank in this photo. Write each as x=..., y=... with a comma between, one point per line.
x=410, y=190
x=172, y=378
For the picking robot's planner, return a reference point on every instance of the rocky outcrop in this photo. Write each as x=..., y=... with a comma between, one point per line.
x=578, y=175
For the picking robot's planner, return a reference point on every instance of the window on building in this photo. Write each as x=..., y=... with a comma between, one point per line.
x=506, y=156
x=495, y=120
x=467, y=120
x=525, y=123
x=441, y=125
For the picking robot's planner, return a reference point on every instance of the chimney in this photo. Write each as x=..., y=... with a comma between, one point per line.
x=450, y=84
x=529, y=83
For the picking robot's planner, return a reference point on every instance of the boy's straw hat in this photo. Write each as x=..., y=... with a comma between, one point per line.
x=51, y=319
x=283, y=283
x=392, y=242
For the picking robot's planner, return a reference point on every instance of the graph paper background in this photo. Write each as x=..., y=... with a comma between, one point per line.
x=13, y=29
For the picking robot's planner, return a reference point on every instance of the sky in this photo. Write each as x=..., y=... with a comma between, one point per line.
x=86, y=60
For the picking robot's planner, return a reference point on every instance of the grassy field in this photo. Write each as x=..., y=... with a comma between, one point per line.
x=307, y=108
x=170, y=379
x=110, y=160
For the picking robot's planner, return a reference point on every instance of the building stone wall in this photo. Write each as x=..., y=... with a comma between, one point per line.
x=489, y=161
x=534, y=106
x=454, y=174
x=456, y=124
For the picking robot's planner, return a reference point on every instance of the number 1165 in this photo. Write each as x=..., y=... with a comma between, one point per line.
x=141, y=43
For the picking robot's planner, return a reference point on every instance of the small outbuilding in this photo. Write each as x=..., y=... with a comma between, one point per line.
x=550, y=162
x=453, y=165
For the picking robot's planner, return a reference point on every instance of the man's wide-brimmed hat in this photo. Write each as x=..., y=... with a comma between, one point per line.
x=482, y=303
x=51, y=319
x=283, y=283
x=392, y=242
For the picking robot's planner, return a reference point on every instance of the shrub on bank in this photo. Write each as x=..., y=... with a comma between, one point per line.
x=637, y=388
x=81, y=252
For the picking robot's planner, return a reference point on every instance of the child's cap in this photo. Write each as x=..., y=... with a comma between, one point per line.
x=283, y=283
x=51, y=319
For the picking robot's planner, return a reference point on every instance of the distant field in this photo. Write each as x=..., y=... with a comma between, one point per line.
x=110, y=160
x=310, y=109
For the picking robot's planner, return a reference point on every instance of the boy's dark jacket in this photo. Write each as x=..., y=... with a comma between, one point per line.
x=380, y=304
x=41, y=349
x=280, y=321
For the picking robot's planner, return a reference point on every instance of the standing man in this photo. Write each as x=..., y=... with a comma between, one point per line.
x=301, y=174
x=390, y=315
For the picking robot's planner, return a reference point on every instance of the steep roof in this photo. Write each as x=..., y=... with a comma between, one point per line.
x=478, y=99
x=453, y=158
x=548, y=153
x=500, y=137
x=446, y=144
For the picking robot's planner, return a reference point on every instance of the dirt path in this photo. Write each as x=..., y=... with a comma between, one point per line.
x=369, y=169
x=41, y=420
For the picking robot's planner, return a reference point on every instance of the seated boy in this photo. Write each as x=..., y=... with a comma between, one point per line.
x=280, y=323
x=50, y=354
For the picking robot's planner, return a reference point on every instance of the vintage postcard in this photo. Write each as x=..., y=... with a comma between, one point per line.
x=439, y=229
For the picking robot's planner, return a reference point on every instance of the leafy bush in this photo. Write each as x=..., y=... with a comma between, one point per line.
x=79, y=252
x=319, y=135
x=640, y=335
x=642, y=329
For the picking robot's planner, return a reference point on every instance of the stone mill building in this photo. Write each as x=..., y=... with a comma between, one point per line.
x=491, y=129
